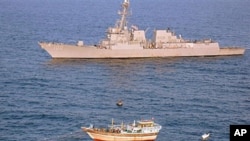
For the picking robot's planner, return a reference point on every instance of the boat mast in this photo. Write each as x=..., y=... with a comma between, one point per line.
x=123, y=13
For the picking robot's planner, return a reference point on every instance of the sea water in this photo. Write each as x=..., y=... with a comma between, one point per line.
x=45, y=99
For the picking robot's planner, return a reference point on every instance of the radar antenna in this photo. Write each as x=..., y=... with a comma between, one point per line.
x=124, y=13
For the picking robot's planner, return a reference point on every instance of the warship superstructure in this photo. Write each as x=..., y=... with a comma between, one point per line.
x=123, y=41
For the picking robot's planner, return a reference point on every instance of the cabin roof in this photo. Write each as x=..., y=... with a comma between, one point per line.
x=145, y=122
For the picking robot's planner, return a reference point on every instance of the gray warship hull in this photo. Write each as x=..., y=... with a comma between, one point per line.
x=124, y=42
x=73, y=51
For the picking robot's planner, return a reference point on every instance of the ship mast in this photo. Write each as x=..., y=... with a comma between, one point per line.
x=122, y=22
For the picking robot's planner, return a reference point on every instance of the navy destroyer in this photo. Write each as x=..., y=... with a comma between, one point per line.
x=123, y=41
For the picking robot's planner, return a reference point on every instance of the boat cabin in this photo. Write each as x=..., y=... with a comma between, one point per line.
x=145, y=123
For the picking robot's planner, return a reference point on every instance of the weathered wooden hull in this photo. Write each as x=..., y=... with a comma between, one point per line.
x=107, y=136
x=74, y=51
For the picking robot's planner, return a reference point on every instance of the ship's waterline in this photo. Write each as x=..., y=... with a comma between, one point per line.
x=123, y=41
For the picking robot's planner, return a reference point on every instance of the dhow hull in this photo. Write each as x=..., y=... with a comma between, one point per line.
x=104, y=136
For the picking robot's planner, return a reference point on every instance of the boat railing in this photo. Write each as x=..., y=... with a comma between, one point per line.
x=113, y=126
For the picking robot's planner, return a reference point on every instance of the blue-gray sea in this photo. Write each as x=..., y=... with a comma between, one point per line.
x=44, y=99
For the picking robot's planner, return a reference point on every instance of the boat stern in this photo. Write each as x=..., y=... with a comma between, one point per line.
x=232, y=51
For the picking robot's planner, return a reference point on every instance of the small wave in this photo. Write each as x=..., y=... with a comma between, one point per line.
x=71, y=136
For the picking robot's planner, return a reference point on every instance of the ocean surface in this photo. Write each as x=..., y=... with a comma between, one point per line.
x=44, y=99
